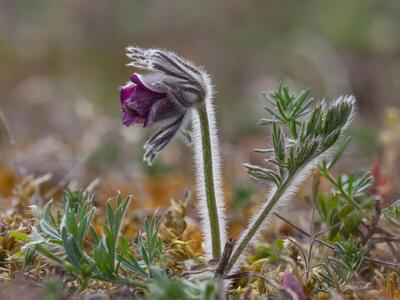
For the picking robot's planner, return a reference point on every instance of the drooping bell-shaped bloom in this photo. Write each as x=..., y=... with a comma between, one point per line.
x=165, y=94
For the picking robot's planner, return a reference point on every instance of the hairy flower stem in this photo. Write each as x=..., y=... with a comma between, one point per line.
x=266, y=212
x=255, y=226
x=209, y=184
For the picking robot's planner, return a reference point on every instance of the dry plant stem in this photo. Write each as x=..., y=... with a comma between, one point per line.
x=301, y=251
x=251, y=274
x=306, y=233
x=382, y=262
x=375, y=260
x=225, y=258
x=374, y=222
x=11, y=141
x=394, y=251
x=385, y=239
x=265, y=278
x=3, y=120
x=209, y=182
x=383, y=231
x=129, y=282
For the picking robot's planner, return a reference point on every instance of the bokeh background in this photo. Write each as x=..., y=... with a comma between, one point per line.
x=62, y=63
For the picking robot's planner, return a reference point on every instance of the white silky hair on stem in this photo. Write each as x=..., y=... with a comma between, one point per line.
x=216, y=172
x=287, y=195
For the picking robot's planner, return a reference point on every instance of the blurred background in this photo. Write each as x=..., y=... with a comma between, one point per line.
x=62, y=63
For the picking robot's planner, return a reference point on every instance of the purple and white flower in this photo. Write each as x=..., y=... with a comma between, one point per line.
x=165, y=94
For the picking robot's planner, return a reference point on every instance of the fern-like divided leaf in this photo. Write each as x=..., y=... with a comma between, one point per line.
x=339, y=271
x=286, y=108
x=349, y=202
x=301, y=139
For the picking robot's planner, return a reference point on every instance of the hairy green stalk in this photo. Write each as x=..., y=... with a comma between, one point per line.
x=209, y=181
x=262, y=216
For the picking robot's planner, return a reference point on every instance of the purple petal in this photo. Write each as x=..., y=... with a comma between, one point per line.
x=140, y=104
x=130, y=117
x=141, y=101
x=126, y=91
x=141, y=98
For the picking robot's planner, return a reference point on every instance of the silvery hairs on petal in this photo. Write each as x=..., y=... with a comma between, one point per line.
x=186, y=86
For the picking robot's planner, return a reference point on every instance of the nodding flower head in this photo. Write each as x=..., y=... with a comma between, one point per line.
x=164, y=95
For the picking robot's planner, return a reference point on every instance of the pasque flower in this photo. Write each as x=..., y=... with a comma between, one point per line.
x=164, y=95
x=171, y=92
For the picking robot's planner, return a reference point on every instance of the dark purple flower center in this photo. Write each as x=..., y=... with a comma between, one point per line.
x=137, y=100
